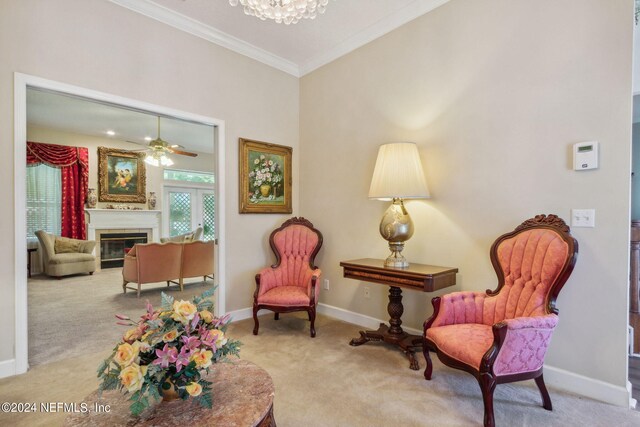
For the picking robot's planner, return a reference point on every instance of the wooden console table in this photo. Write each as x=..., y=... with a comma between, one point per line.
x=242, y=396
x=425, y=278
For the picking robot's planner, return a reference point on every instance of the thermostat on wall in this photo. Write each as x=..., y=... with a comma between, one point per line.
x=585, y=155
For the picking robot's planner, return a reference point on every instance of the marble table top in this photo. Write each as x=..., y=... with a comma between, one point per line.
x=242, y=397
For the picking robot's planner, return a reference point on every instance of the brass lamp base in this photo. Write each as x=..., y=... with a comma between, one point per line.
x=396, y=227
x=396, y=259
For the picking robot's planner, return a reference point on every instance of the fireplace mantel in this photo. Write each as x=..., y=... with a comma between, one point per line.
x=99, y=219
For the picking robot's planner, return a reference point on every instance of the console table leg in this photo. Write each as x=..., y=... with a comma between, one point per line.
x=395, y=310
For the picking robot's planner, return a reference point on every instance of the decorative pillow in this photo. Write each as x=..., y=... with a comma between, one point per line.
x=86, y=246
x=64, y=245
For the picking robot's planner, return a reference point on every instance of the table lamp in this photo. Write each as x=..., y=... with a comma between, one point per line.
x=398, y=175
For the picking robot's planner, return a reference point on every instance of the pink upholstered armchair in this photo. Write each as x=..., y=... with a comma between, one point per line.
x=502, y=336
x=292, y=283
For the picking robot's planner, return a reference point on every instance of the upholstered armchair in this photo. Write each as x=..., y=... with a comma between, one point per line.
x=62, y=256
x=292, y=283
x=502, y=336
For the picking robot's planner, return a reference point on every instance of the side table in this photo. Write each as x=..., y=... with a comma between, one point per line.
x=425, y=278
x=242, y=396
x=29, y=251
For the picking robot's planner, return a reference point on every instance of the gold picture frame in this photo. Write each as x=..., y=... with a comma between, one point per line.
x=121, y=176
x=265, y=177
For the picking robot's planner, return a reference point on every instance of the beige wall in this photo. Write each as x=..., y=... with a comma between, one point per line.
x=494, y=93
x=101, y=46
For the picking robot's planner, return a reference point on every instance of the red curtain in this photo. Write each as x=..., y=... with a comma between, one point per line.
x=73, y=163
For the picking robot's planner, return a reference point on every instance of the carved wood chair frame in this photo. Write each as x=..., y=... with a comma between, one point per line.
x=311, y=308
x=485, y=375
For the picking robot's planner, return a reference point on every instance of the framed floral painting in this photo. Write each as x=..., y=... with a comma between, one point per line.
x=121, y=176
x=265, y=177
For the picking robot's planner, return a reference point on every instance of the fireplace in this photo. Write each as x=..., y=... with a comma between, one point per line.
x=114, y=246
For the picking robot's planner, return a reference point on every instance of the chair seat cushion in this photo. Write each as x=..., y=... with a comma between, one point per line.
x=285, y=296
x=466, y=342
x=66, y=258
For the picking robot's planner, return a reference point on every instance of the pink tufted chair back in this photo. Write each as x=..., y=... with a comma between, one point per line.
x=530, y=264
x=295, y=246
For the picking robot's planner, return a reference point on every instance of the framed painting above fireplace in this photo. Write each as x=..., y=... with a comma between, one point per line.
x=121, y=176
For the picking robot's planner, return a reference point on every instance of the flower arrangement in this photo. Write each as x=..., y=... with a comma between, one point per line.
x=168, y=351
x=266, y=174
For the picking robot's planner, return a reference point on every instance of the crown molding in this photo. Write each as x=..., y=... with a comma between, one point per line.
x=198, y=29
x=184, y=23
x=380, y=28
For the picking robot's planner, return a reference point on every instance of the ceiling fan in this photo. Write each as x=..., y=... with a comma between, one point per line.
x=158, y=149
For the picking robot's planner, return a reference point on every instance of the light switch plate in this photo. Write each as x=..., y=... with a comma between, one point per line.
x=583, y=218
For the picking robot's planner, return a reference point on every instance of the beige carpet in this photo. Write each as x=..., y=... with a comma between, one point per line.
x=325, y=382
x=68, y=316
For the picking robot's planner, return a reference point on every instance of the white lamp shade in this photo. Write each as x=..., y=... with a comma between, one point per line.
x=398, y=173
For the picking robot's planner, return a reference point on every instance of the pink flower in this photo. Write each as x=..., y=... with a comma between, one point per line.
x=191, y=343
x=122, y=317
x=222, y=320
x=165, y=356
x=182, y=359
x=208, y=339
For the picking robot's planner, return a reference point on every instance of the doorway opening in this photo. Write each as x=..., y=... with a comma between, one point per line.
x=25, y=87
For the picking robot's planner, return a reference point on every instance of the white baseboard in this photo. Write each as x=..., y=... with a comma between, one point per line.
x=632, y=402
x=243, y=313
x=7, y=368
x=588, y=387
x=556, y=377
x=357, y=318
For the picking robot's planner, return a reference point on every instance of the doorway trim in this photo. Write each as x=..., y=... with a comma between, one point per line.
x=21, y=83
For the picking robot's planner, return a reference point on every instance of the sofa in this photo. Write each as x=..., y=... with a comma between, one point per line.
x=62, y=256
x=183, y=238
x=167, y=262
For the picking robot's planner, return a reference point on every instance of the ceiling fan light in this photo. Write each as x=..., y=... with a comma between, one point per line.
x=150, y=160
x=165, y=161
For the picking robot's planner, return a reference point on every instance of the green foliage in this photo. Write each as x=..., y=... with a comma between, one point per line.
x=203, y=302
x=167, y=302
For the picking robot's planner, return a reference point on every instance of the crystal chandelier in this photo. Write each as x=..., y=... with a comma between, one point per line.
x=287, y=11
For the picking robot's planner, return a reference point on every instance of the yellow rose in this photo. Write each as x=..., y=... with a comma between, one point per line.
x=132, y=377
x=218, y=337
x=202, y=358
x=183, y=311
x=194, y=389
x=131, y=335
x=126, y=354
x=170, y=336
x=141, y=347
x=207, y=316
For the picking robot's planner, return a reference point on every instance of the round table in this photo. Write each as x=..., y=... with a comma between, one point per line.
x=242, y=396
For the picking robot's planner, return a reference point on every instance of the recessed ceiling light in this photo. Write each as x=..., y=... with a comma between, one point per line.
x=110, y=133
x=147, y=138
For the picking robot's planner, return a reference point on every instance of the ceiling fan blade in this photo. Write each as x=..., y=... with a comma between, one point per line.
x=183, y=153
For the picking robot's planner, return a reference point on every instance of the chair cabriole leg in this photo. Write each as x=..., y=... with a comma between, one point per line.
x=429, y=368
x=546, y=399
x=256, y=324
x=312, y=319
x=487, y=385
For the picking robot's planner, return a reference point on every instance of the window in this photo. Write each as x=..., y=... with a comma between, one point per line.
x=189, y=176
x=44, y=200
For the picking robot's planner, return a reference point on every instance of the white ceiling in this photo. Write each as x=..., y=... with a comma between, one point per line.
x=81, y=116
x=297, y=49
